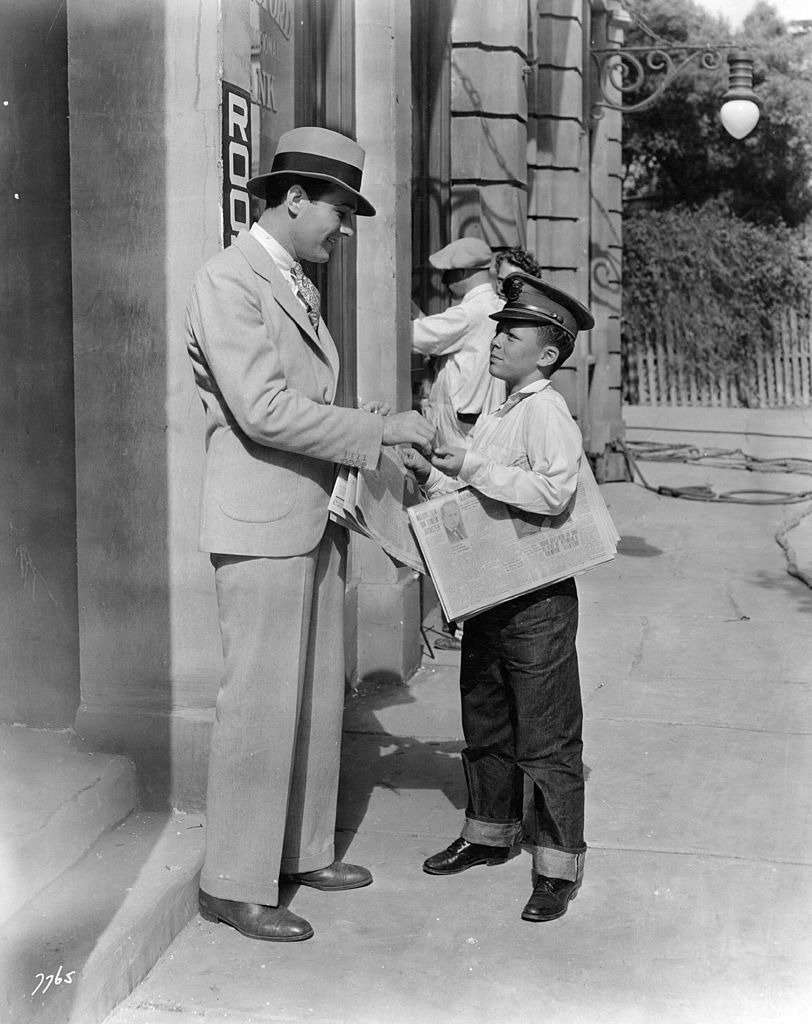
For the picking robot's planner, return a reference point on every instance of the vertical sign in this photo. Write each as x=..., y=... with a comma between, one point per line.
x=236, y=161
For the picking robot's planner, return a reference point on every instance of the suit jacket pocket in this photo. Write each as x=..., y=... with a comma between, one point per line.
x=254, y=484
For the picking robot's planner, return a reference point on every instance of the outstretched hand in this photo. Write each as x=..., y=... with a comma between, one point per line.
x=417, y=463
x=408, y=428
x=448, y=460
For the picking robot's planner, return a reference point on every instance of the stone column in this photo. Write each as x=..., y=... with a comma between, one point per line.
x=146, y=186
x=606, y=251
x=388, y=615
x=559, y=172
x=489, y=121
x=39, y=649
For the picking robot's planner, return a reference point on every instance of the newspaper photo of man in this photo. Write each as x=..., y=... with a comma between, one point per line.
x=452, y=521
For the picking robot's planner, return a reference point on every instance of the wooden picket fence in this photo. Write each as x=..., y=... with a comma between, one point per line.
x=780, y=375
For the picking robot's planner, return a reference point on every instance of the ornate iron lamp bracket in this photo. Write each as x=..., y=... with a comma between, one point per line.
x=626, y=70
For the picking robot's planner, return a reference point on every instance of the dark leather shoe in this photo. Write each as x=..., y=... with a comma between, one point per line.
x=334, y=878
x=274, y=924
x=550, y=899
x=462, y=855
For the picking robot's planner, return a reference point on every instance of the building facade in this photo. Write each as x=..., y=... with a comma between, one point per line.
x=130, y=129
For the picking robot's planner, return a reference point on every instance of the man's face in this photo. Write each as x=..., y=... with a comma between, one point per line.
x=451, y=516
x=454, y=280
x=319, y=224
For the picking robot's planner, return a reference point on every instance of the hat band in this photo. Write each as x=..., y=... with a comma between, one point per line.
x=555, y=318
x=312, y=163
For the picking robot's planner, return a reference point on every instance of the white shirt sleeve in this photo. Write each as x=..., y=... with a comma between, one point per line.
x=442, y=333
x=538, y=471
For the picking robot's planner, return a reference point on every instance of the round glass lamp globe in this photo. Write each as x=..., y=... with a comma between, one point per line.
x=739, y=117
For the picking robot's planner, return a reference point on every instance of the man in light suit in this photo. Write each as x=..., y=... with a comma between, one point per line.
x=266, y=370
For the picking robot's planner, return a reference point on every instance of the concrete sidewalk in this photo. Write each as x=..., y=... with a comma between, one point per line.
x=696, y=654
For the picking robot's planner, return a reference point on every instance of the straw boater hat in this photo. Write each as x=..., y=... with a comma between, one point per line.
x=532, y=301
x=318, y=153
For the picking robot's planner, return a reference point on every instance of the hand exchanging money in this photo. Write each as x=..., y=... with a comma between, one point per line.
x=449, y=460
x=417, y=463
x=408, y=428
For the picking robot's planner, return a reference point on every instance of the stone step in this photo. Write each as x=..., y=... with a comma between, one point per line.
x=55, y=802
x=84, y=943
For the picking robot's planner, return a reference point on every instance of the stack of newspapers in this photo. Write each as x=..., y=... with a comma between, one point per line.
x=375, y=503
x=479, y=552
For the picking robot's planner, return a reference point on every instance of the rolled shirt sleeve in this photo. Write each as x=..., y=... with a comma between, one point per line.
x=440, y=483
x=442, y=333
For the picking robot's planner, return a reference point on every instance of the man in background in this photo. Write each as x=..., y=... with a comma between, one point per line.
x=458, y=340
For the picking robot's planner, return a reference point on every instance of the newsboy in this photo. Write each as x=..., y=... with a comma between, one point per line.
x=519, y=680
x=266, y=370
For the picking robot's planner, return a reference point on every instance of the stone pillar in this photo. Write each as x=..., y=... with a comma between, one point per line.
x=489, y=121
x=388, y=615
x=606, y=251
x=39, y=650
x=145, y=87
x=559, y=173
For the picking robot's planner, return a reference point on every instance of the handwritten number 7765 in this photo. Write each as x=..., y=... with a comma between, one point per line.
x=46, y=980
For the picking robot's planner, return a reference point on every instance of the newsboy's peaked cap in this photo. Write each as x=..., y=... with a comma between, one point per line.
x=469, y=253
x=532, y=301
x=318, y=153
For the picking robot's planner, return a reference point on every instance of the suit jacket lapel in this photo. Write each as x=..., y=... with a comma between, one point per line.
x=262, y=264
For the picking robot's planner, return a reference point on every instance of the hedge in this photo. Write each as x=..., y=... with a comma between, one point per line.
x=712, y=281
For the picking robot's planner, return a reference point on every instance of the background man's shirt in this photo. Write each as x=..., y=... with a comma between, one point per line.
x=460, y=340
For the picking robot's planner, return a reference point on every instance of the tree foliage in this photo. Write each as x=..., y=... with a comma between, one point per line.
x=678, y=152
x=711, y=283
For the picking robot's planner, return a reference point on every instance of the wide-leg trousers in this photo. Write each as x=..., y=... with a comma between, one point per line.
x=275, y=745
x=522, y=717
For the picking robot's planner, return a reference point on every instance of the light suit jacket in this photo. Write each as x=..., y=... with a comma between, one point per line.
x=267, y=381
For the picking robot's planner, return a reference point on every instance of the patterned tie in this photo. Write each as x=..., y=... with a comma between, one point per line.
x=308, y=292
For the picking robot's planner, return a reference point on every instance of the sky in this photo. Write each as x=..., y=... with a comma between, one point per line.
x=736, y=10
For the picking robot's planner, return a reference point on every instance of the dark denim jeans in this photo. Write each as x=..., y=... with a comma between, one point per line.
x=521, y=716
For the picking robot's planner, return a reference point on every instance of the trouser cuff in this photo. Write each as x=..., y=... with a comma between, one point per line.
x=299, y=864
x=491, y=833
x=558, y=863
x=242, y=892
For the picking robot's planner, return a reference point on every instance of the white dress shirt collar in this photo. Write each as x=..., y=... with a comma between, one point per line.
x=535, y=385
x=278, y=253
x=528, y=389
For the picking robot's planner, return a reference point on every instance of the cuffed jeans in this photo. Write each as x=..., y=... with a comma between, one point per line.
x=522, y=716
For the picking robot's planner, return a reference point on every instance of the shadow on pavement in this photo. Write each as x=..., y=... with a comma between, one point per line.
x=373, y=758
x=637, y=547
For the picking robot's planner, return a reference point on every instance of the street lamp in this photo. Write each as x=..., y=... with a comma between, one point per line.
x=623, y=71
x=740, y=106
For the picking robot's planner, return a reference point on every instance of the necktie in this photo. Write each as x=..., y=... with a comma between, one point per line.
x=308, y=292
